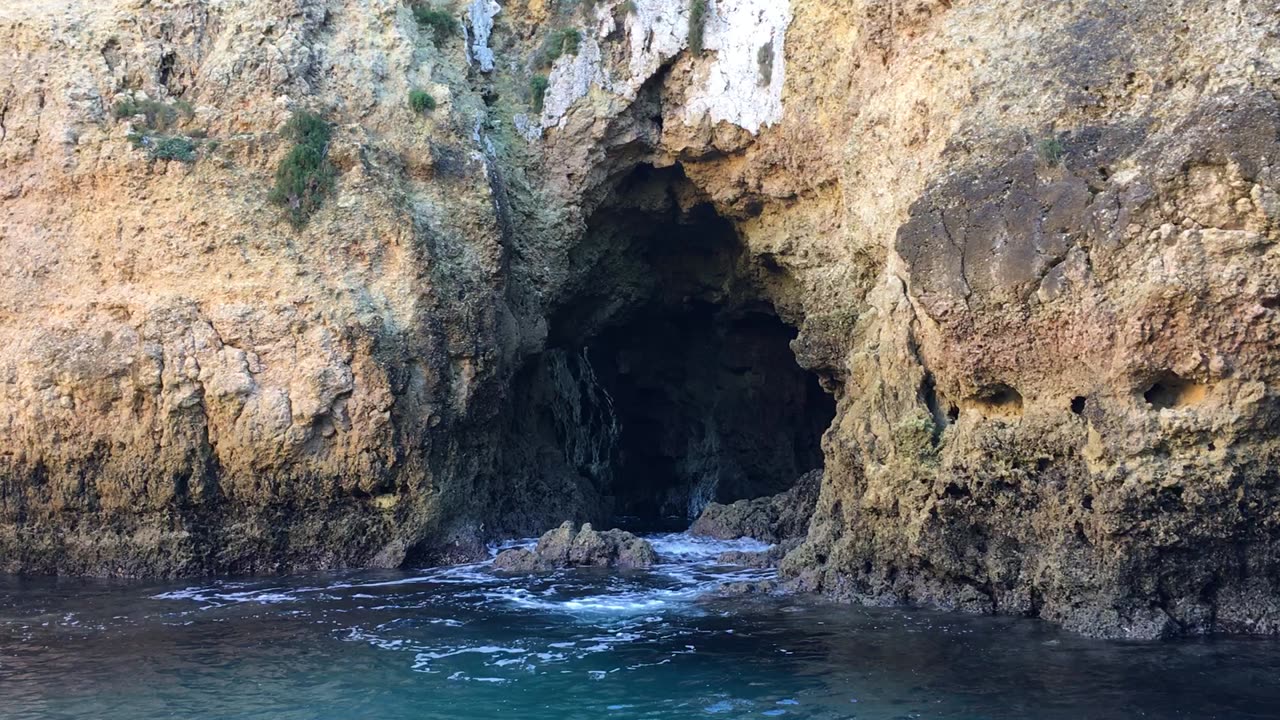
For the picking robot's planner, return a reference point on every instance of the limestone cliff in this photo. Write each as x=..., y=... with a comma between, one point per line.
x=1029, y=248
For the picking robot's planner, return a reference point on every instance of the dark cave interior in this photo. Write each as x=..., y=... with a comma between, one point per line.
x=669, y=381
x=712, y=407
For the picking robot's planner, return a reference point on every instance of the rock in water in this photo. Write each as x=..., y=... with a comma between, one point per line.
x=588, y=547
x=768, y=519
x=521, y=560
x=763, y=559
x=1049, y=308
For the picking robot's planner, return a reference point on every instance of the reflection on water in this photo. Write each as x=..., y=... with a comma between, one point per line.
x=465, y=643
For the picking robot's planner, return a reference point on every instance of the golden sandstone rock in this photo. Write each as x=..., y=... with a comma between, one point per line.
x=1029, y=248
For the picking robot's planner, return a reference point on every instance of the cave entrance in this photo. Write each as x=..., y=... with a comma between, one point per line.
x=711, y=406
x=669, y=380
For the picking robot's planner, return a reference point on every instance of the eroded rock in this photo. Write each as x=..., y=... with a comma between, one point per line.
x=567, y=546
x=769, y=558
x=1029, y=247
x=768, y=519
x=522, y=560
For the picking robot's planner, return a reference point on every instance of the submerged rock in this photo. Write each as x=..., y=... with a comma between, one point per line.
x=748, y=587
x=768, y=519
x=588, y=547
x=770, y=558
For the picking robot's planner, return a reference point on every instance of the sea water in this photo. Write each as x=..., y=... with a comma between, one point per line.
x=466, y=642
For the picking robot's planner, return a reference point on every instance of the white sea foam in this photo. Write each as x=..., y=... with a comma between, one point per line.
x=431, y=616
x=683, y=547
x=229, y=593
x=688, y=568
x=215, y=596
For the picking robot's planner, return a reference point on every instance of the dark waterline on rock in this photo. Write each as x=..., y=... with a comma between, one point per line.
x=464, y=643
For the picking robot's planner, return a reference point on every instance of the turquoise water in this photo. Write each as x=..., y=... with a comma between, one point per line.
x=463, y=643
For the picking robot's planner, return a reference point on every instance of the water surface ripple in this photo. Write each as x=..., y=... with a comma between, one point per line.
x=464, y=642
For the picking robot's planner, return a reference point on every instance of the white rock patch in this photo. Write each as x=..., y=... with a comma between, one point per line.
x=480, y=16
x=657, y=30
x=735, y=89
x=730, y=85
x=572, y=78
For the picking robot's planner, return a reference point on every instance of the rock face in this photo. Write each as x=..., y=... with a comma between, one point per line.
x=569, y=547
x=1031, y=249
x=770, y=558
x=188, y=384
x=782, y=520
x=784, y=516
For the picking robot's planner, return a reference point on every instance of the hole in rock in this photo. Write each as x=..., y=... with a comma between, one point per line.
x=1170, y=391
x=997, y=401
x=932, y=401
x=165, y=69
x=1077, y=404
x=669, y=381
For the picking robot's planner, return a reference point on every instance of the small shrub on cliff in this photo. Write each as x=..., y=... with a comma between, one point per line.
x=538, y=87
x=566, y=41
x=697, y=25
x=305, y=175
x=156, y=115
x=1051, y=150
x=441, y=23
x=173, y=148
x=161, y=147
x=570, y=40
x=421, y=101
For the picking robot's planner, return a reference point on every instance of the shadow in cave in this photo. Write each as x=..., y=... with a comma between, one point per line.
x=711, y=406
x=669, y=381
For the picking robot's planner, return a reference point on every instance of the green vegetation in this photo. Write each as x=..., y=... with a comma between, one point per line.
x=165, y=147
x=305, y=175
x=538, y=86
x=421, y=101
x=570, y=40
x=697, y=25
x=441, y=23
x=158, y=115
x=565, y=41
x=173, y=148
x=764, y=61
x=1051, y=150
